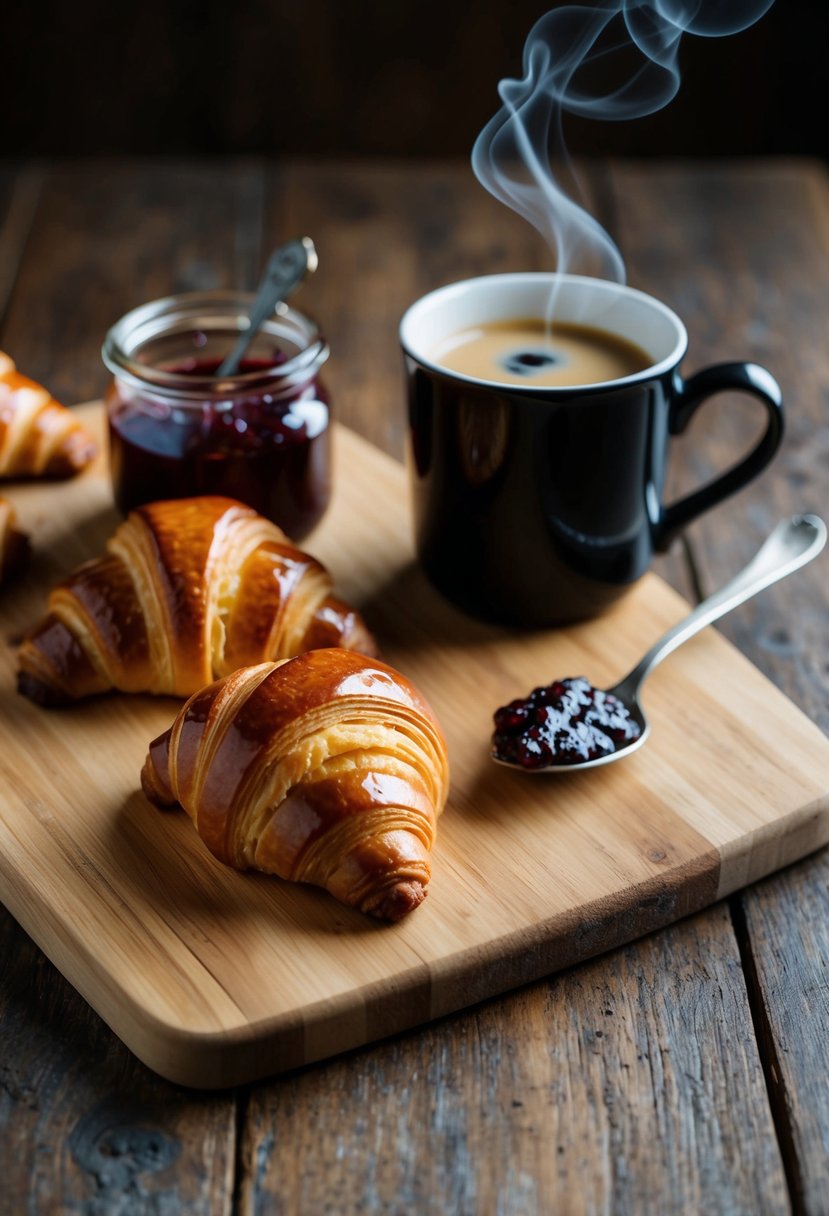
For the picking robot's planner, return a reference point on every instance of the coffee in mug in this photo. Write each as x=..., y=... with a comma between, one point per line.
x=542, y=503
x=531, y=352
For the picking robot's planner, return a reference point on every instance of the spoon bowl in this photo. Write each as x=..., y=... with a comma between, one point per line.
x=792, y=544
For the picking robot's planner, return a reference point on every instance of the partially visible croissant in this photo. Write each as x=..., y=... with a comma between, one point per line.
x=329, y=768
x=39, y=437
x=188, y=591
x=14, y=545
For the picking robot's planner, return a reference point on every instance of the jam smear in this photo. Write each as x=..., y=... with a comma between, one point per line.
x=269, y=451
x=566, y=722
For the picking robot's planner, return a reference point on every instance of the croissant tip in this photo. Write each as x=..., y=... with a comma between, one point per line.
x=76, y=453
x=398, y=901
x=40, y=693
x=154, y=790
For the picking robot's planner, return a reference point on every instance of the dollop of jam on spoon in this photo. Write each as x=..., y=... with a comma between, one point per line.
x=571, y=725
x=566, y=722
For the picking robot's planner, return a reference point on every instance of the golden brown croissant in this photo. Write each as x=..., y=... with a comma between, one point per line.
x=188, y=591
x=14, y=545
x=39, y=437
x=329, y=768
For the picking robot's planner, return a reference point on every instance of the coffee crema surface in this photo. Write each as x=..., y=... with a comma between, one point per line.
x=529, y=353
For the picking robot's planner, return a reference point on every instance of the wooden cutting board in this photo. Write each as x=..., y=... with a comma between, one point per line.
x=213, y=977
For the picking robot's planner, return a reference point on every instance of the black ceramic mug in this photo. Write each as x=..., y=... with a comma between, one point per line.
x=539, y=505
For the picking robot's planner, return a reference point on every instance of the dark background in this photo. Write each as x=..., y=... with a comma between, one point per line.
x=368, y=77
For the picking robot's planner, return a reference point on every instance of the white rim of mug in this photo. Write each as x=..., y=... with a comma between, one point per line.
x=539, y=390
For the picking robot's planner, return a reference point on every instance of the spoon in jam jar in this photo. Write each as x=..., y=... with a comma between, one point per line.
x=287, y=267
x=569, y=725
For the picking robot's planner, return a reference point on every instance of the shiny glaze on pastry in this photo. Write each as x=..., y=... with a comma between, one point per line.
x=329, y=768
x=188, y=591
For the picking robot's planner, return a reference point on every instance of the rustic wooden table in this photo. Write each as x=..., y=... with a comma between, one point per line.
x=684, y=1073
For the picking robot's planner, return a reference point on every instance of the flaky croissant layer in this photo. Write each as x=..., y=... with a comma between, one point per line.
x=188, y=591
x=329, y=768
x=39, y=437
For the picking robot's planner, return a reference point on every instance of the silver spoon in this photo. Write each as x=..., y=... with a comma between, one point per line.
x=286, y=268
x=792, y=544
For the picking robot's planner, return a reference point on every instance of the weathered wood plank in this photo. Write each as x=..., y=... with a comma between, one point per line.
x=787, y=924
x=113, y=234
x=631, y=1085
x=85, y=1128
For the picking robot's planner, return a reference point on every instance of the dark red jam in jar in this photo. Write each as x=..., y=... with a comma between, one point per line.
x=176, y=429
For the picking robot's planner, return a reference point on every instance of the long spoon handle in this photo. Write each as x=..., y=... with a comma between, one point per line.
x=792, y=544
x=286, y=268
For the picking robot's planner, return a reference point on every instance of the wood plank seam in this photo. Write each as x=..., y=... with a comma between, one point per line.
x=241, y=1112
x=767, y=1049
x=763, y=1037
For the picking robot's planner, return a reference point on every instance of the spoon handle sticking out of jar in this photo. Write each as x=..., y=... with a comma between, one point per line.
x=287, y=267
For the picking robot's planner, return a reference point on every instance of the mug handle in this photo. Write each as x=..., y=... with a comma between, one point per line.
x=691, y=393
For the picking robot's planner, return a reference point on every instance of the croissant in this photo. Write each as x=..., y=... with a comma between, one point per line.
x=14, y=545
x=329, y=768
x=188, y=591
x=39, y=437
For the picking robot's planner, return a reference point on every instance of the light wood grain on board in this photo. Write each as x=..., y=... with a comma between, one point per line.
x=212, y=977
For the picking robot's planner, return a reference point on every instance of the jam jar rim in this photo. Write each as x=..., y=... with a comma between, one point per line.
x=187, y=387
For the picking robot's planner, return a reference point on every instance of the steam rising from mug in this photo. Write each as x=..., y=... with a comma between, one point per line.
x=511, y=156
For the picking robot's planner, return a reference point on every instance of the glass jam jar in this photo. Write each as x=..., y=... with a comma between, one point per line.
x=176, y=429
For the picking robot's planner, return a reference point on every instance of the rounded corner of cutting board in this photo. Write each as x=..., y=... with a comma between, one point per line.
x=215, y=1059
